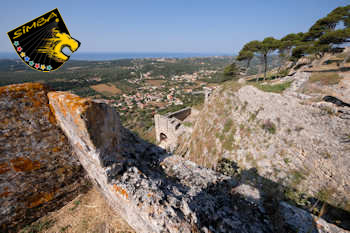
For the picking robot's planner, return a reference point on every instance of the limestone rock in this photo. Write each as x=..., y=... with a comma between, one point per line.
x=288, y=140
x=153, y=191
x=38, y=172
x=303, y=222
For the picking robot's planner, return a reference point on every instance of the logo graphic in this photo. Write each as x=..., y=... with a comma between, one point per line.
x=39, y=43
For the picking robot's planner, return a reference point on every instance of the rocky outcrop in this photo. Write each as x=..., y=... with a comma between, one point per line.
x=288, y=140
x=158, y=192
x=153, y=191
x=38, y=172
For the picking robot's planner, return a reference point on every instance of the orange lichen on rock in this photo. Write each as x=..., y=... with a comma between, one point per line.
x=121, y=191
x=51, y=115
x=4, y=167
x=39, y=199
x=55, y=149
x=21, y=164
x=5, y=194
x=60, y=171
x=70, y=104
x=32, y=93
x=26, y=87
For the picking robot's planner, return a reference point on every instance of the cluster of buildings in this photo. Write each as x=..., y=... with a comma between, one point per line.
x=162, y=95
x=194, y=77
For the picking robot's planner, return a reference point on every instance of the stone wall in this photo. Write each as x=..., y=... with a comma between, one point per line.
x=38, y=172
x=181, y=114
x=169, y=127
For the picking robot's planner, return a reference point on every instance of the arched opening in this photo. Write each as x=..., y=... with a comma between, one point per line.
x=162, y=137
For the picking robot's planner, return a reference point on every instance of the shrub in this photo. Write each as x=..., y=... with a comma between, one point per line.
x=227, y=167
x=269, y=126
x=229, y=142
x=286, y=160
x=276, y=88
x=187, y=124
x=297, y=176
x=228, y=125
x=283, y=73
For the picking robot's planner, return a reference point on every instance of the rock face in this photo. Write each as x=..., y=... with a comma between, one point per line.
x=301, y=221
x=158, y=192
x=154, y=192
x=38, y=172
x=289, y=139
x=151, y=189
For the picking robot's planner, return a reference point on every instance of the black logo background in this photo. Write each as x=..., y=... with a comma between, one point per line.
x=33, y=39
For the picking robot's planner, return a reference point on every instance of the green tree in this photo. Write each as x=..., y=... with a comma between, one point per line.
x=231, y=70
x=335, y=37
x=329, y=23
x=289, y=42
x=247, y=52
x=324, y=34
x=266, y=47
x=245, y=55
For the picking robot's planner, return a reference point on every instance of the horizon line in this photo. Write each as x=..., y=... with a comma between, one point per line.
x=139, y=52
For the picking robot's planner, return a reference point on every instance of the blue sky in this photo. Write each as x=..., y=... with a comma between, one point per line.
x=221, y=26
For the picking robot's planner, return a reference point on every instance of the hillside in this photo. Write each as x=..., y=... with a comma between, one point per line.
x=152, y=190
x=281, y=136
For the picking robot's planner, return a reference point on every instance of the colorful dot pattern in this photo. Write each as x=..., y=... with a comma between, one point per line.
x=27, y=59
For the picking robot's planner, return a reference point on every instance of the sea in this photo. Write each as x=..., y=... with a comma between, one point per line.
x=98, y=56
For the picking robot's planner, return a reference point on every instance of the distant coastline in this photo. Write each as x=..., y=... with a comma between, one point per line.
x=90, y=56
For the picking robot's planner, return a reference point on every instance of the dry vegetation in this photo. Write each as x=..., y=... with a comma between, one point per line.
x=155, y=82
x=106, y=89
x=329, y=78
x=275, y=88
x=88, y=213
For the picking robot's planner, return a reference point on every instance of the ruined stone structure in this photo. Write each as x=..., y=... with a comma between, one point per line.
x=152, y=190
x=169, y=127
x=206, y=91
x=38, y=172
x=207, y=94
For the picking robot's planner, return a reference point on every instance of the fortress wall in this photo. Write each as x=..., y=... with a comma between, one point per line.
x=161, y=126
x=170, y=127
x=38, y=172
x=181, y=114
